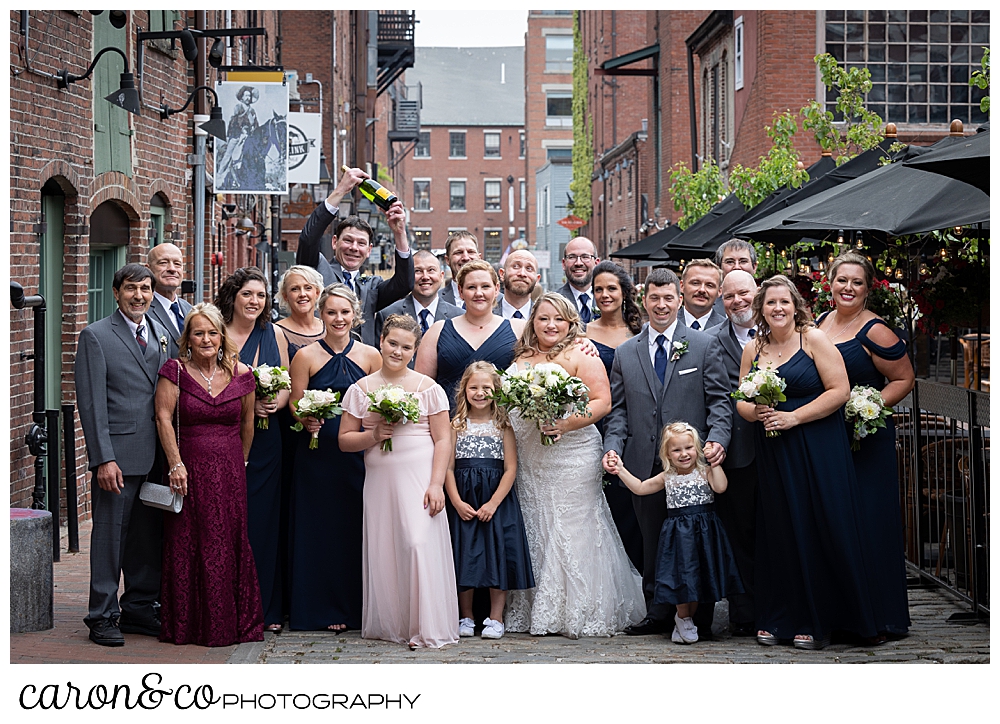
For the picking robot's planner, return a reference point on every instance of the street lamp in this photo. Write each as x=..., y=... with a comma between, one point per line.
x=126, y=97
x=214, y=125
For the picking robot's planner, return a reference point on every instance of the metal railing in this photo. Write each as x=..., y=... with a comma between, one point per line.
x=943, y=449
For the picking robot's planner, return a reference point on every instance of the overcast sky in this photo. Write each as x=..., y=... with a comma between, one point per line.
x=470, y=28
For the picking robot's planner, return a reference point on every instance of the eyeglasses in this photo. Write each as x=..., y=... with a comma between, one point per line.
x=579, y=257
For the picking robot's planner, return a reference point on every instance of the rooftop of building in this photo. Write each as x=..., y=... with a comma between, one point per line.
x=470, y=86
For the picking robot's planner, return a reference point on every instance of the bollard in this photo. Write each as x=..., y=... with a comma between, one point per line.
x=69, y=455
x=30, y=570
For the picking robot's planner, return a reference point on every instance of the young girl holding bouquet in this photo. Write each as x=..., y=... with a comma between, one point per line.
x=408, y=572
x=487, y=532
x=694, y=561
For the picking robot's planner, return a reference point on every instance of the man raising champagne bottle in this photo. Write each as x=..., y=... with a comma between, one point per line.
x=352, y=245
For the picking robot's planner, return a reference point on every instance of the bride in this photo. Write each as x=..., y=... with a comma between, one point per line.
x=585, y=584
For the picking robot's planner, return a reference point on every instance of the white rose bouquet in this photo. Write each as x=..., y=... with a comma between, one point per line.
x=394, y=404
x=321, y=404
x=270, y=381
x=543, y=393
x=763, y=387
x=868, y=412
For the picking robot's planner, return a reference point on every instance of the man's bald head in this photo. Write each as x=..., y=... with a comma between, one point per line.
x=166, y=261
x=738, y=290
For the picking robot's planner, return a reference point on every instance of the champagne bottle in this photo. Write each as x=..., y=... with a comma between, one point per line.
x=375, y=192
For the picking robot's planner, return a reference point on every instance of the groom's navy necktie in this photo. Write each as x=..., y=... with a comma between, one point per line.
x=347, y=282
x=585, y=315
x=695, y=325
x=660, y=364
x=424, y=313
x=178, y=317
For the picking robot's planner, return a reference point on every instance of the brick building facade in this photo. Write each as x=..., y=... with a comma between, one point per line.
x=93, y=187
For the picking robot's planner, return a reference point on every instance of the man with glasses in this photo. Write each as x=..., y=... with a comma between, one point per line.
x=579, y=260
x=735, y=254
x=352, y=245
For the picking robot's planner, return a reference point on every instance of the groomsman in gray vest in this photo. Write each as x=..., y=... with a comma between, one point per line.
x=117, y=360
x=423, y=303
x=167, y=264
x=664, y=374
x=737, y=508
x=352, y=245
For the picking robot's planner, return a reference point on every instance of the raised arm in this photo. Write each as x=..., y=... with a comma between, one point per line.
x=401, y=282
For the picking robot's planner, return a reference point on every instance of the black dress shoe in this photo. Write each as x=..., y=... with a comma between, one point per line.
x=145, y=626
x=646, y=627
x=106, y=633
x=741, y=630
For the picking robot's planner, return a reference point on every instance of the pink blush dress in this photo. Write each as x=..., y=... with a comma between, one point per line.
x=408, y=569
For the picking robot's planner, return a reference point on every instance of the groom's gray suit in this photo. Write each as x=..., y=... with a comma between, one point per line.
x=695, y=390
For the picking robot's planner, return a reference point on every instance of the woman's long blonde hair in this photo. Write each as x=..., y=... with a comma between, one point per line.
x=670, y=432
x=213, y=315
x=529, y=340
x=499, y=414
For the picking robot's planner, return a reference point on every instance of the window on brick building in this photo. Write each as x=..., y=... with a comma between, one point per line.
x=456, y=195
x=112, y=135
x=456, y=144
x=492, y=193
x=421, y=194
x=559, y=109
x=522, y=145
x=423, y=147
x=558, y=53
x=524, y=195
x=920, y=61
x=492, y=245
x=491, y=144
x=422, y=239
x=738, y=53
x=716, y=113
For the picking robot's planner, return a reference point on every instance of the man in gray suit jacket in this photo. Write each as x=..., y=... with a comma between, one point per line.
x=352, y=245
x=423, y=303
x=664, y=374
x=167, y=264
x=737, y=508
x=579, y=260
x=700, y=287
x=460, y=248
x=117, y=360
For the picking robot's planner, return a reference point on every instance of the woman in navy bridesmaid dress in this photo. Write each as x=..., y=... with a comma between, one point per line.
x=619, y=319
x=811, y=573
x=326, y=498
x=451, y=345
x=872, y=353
x=246, y=307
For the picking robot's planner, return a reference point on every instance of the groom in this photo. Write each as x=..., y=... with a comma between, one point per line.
x=674, y=373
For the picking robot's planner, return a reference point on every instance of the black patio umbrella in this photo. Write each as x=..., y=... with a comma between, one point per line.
x=968, y=161
x=696, y=240
x=644, y=247
x=893, y=200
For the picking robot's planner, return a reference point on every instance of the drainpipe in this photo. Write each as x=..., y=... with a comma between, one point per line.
x=694, y=125
x=197, y=161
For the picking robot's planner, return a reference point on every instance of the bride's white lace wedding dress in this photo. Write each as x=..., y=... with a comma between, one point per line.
x=585, y=584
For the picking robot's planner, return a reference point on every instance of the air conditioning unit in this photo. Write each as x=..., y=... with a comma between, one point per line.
x=407, y=126
x=292, y=79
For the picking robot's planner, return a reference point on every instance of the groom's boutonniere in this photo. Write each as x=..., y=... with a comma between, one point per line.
x=163, y=342
x=680, y=348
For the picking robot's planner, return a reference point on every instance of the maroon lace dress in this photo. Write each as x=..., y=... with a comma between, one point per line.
x=208, y=593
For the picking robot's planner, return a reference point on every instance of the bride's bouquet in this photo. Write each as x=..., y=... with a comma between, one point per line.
x=543, y=393
x=270, y=381
x=394, y=404
x=321, y=404
x=763, y=387
x=868, y=411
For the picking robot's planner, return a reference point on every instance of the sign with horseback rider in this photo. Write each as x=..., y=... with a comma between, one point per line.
x=254, y=157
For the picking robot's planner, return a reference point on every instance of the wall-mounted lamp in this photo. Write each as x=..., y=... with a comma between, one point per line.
x=126, y=97
x=214, y=125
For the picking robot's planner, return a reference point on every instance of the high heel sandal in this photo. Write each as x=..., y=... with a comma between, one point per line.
x=766, y=639
x=811, y=643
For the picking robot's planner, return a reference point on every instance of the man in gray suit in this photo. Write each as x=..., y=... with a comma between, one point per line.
x=117, y=359
x=519, y=276
x=460, y=248
x=167, y=264
x=700, y=287
x=665, y=373
x=735, y=254
x=579, y=260
x=423, y=303
x=737, y=508
x=352, y=245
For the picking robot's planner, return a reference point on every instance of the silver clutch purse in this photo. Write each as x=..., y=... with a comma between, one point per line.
x=161, y=496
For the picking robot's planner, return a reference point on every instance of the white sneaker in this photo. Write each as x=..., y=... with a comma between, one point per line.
x=687, y=630
x=466, y=627
x=676, y=636
x=492, y=629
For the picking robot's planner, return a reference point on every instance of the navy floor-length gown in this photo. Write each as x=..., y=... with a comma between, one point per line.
x=618, y=496
x=454, y=354
x=264, y=484
x=326, y=516
x=810, y=575
x=878, y=484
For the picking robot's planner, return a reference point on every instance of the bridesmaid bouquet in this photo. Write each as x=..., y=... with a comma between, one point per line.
x=868, y=411
x=270, y=380
x=394, y=404
x=321, y=404
x=543, y=393
x=763, y=387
